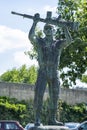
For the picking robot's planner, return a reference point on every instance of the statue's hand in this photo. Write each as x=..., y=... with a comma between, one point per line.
x=36, y=17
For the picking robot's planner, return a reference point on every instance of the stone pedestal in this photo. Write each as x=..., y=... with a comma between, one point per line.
x=49, y=127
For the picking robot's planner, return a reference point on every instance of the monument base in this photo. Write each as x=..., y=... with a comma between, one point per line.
x=49, y=127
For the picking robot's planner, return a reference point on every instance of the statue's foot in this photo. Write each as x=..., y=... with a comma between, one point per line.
x=37, y=122
x=55, y=122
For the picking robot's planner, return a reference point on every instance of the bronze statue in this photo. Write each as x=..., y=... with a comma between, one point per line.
x=49, y=52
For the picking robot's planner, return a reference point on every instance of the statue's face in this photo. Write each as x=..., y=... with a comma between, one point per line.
x=48, y=30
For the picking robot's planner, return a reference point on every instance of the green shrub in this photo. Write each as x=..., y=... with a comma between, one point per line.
x=22, y=111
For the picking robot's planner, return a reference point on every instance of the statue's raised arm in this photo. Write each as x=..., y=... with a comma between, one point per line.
x=32, y=35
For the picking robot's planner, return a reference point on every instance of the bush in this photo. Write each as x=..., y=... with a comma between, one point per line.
x=22, y=111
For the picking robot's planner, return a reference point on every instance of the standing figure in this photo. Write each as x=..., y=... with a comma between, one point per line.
x=49, y=51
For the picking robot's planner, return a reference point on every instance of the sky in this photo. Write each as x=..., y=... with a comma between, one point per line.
x=14, y=30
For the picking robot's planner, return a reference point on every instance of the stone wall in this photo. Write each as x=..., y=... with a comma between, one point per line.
x=26, y=92
x=73, y=96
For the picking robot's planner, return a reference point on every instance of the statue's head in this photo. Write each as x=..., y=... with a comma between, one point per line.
x=48, y=29
x=48, y=26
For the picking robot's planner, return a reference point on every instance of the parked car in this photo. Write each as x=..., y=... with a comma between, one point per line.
x=10, y=125
x=81, y=126
x=72, y=125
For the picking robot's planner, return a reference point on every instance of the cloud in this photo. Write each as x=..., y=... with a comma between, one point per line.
x=13, y=39
x=21, y=59
x=13, y=44
x=43, y=10
x=50, y=8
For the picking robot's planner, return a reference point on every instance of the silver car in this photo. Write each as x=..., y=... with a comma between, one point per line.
x=81, y=126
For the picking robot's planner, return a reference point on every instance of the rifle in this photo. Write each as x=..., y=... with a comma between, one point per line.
x=49, y=20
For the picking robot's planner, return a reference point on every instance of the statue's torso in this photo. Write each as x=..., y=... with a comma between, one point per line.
x=48, y=56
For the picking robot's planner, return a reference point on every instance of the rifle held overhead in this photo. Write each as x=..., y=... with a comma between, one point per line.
x=50, y=20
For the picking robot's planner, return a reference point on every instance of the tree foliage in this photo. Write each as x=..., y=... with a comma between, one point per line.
x=70, y=113
x=22, y=111
x=21, y=75
x=74, y=57
x=84, y=78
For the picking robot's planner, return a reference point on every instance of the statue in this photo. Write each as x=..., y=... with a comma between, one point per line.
x=49, y=52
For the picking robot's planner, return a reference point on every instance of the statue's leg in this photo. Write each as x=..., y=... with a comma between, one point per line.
x=54, y=89
x=39, y=93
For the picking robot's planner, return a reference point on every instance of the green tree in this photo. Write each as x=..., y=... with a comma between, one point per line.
x=21, y=75
x=31, y=75
x=10, y=76
x=84, y=78
x=75, y=56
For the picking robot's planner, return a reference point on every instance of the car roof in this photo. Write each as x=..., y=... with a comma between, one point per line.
x=9, y=121
x=71, y=122
x=72, y=125
x=82, y=123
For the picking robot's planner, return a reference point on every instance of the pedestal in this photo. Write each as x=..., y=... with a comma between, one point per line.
x=49, y=127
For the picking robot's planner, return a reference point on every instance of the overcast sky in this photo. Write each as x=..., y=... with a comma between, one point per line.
x=14, y=30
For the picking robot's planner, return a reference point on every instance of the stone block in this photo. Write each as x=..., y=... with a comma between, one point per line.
x=49, y=127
